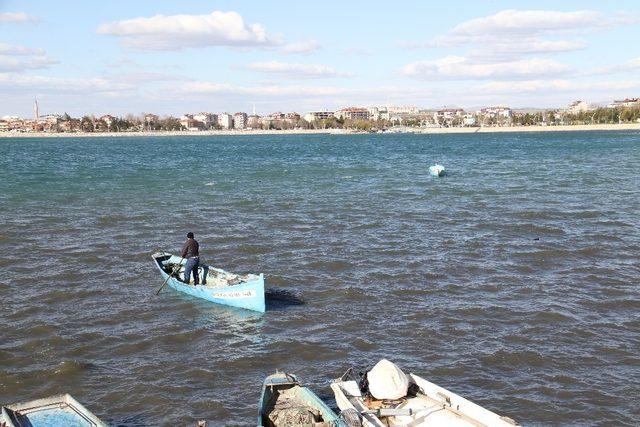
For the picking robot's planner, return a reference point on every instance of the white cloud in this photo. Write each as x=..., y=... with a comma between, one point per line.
x=12, y=82
x=10, y=63
x=518, y=47
x=528, y=22
x=302, y=47
x=6, y=49
x=460, y=68
x=176, y=32
x=515, y=33
x=631, y=65
x=350, y=95
x=16, y=17
x=309, y=71
x=274, y=90
x=145, y=77
x=21, y=58
x=553, y=86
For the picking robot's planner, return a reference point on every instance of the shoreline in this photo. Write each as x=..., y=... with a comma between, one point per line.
x=458, y=130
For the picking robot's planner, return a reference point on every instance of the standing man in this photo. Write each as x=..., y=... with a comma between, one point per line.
x=191, y=252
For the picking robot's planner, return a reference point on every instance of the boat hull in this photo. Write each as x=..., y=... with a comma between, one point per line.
x=452, y=409
x=282, y=381
x=248, y=295
x=61, y=410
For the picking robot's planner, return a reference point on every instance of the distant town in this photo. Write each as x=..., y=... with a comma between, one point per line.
x=370, y=119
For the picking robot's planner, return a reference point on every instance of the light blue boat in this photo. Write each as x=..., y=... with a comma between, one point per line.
x=218, y=286
x=285, y=402
x=437, y=170
x=54, y=411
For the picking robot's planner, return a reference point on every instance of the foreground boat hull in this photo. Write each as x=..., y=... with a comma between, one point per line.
x=431, y=406
x=54, y=411
x=248, y=295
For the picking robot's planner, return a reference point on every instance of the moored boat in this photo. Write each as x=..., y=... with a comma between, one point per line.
x=285, y=402
x=216, y=285
x=437, y=170
x=423, y=404
x=54, y=411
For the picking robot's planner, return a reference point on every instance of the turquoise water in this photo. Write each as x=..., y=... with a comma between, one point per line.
x=512, y=281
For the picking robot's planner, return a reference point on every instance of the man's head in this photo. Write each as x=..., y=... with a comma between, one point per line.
x=189, y=235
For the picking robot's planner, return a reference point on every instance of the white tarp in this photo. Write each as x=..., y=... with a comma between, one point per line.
x=387, y=381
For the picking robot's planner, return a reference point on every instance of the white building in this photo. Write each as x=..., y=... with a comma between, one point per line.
x=225, y=120
x=352, y=113
x=240, y=120
x=318, y=115
x=253, y=121
x=207, y=119
x=379, y=113
x=446, y=116
x=578, y=107
x=406, y=109
x=469, y=120
x=496, y=112
x=627, y=102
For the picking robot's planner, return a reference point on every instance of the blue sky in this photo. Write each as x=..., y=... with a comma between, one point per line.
x=173, y=57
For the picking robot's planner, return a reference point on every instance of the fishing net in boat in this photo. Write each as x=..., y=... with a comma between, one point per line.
x=289, y=411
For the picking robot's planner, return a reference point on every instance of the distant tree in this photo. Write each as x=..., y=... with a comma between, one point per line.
x=169, y=123
x=86, y=124
x=66, y=117
x=100, y=126
x=303, y=124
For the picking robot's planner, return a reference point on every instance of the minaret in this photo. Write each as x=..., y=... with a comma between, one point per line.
x=254, y=108
x=35, y=110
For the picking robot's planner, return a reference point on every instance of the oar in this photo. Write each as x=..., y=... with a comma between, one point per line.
x=172, y=273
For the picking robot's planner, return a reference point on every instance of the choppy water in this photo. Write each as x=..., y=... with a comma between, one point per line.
x=512, y=281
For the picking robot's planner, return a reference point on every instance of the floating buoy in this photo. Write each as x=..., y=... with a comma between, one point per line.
x=436, y=170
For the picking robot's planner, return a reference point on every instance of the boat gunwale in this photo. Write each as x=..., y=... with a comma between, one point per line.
x=259, y=276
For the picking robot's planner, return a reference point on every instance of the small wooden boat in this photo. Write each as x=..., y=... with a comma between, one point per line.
x=425, y=404
x=437, y=170
x=218, y=286
x=54, y=411
x=285, y=402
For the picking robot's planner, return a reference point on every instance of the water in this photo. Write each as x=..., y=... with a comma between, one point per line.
x=512, y=281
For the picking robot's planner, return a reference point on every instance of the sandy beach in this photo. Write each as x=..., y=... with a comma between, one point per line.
x=565, y=128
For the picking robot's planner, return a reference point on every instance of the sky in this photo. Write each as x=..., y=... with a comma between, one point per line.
x=174, y=57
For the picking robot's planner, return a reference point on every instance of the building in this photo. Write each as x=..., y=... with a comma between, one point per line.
x=379, y=113
x=496, y=112
x=225, y=121
x=577, y=107
x=253, y=121
x=447, y=116
x=312, y=116
x=205, y=119
x=292, y=117
x=469, y=120
x=352, y=113
x=240, y=120
x=625, y=103
x=189, y=123
x=402, y=110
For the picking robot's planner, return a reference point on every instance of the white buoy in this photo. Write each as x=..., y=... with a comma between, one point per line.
x=436, y=170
